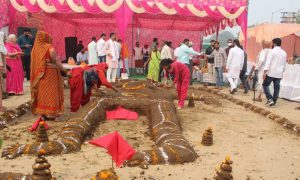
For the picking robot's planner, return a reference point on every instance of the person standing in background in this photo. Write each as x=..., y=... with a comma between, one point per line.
x=138, y=58
x=220, y=58
x=273, y=71
x=146, y=54
x=184, y=53
x=243, y=76
x=191, y=62
x=234, y=65
x=112, y=57
x=14, y=77
x=154, y=44
x=92, y=49
x=79, y=46
x=210, y=62
x=100, y=48
x=26, y=42
x=258, y=69
x=229, y=46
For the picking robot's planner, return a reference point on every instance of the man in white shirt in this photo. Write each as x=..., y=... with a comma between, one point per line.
x=112, y=57
x=234, y=65
x=273, y=71
x=259, y=67
x=176, y=51
x=166, y=51
x=100, y=48
x=184, y=53
x=92, y=48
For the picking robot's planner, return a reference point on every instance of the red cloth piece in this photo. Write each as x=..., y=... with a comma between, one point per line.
x=121, y=113
x=116, y=146
x=36, y=125
x=76, y=88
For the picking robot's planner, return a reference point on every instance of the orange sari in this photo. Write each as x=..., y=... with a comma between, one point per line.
x=46, y=82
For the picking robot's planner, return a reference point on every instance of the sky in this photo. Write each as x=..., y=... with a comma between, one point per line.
x=261, y=10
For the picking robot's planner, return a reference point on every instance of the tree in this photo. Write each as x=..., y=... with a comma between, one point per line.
x=223, y=37
x=298, y=17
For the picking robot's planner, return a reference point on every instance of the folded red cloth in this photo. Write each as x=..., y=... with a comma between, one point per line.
x=122, y=114
x=36, y=125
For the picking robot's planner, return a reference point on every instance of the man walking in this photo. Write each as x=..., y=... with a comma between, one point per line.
x=273, y=71
x=26, y=42
x=100, y=48
x=220, y=57
x=234, y=65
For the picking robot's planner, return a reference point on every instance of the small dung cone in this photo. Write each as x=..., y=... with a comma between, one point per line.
x=106, y=174
x=42, y=135
x=41, y=168
x=191, y=101
x=207, y=137
x=224, y=172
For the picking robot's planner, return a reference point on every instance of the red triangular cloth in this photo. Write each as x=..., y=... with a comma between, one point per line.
x=36, y=125
x=116, y=146
x=121, y=113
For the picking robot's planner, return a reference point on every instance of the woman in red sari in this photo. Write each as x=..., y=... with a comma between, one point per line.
x=14, y=77
x=46, y=82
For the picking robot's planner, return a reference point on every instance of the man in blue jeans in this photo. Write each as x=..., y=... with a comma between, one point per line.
x=220, y=57
x=273, y=71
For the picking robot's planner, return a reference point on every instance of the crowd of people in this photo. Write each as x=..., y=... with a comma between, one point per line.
x=268, y=68
x=160, y=62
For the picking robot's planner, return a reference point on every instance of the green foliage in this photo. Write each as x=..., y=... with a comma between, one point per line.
x=1, y=142
x=298, y=18
x=223, y=37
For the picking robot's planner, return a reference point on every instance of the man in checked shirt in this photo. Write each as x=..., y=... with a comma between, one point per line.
x=220, y=58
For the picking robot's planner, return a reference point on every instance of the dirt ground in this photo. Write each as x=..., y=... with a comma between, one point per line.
x=259, y=148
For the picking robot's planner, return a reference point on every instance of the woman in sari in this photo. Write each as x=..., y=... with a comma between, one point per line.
x=154, y=61
x=46, y=83
x=14, y=77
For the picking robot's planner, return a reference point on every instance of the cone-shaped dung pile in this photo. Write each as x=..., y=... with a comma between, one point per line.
x=207, y=137
x=106, y=174
x=224, y=172
x=41, y=168
x=41, y=135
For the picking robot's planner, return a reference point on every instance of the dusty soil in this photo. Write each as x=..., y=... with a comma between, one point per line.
x=259, y=148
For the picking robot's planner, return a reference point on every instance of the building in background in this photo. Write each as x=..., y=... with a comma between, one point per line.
x=289, y=17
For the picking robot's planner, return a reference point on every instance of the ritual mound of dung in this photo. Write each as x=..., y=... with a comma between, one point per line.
x=141, y=96
x=106, y=174
x=224, y=172
x=207, y=137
